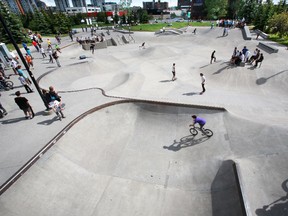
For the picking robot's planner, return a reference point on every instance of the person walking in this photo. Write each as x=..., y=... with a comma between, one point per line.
x=56, y=57
x=29, y=61
x=42, y=50
x=213, y=57
x=21, y=73
x=35, y=44
x=50, y=52
x=92, y=47
x=24, y=105
x=3, y=111
x=71, y=35
x=203, y=80
x=173, y=72
x=25, y=84
x=57, y=48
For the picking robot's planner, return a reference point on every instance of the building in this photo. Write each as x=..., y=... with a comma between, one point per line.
x=79, y=3
x=197, y=7
x=110, y=6
x=22, y=6
x=98, y=3
x=155, y=5
x=89, y=10
x=61, y=5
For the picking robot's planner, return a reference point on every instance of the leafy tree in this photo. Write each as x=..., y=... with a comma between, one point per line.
x=233, y=8
x=61, y=23
x=173, y=15
x=216, y=8
x=13, y=23
x=123, y=19
x=281, y=7
x=264, y=12
x=39, y=23
x=101, y=16
x=143, y=16
x=279, y=22
x=116, y=18
x=248, y=10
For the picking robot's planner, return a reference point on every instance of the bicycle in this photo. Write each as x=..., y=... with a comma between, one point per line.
x=194, y=131
x=6, y=85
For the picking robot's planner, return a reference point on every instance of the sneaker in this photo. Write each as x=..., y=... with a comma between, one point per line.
x=5, y=113
x=27, y=117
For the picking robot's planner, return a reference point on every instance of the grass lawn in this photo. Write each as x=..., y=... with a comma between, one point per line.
x=276, y=38
x=157, y=26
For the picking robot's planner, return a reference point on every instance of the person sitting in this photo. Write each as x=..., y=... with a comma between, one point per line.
x=260, y=59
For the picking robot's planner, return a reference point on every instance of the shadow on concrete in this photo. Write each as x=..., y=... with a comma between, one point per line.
x=204, y=66
x=165, y=81
x=185, y=142
x=191, y=93
x=49, y=121
x=277, y=208
x=12, y=121
x=263, y=80
x=223, y=68
x=224, y=192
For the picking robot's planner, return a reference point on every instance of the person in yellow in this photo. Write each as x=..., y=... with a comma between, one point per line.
x=49, y=42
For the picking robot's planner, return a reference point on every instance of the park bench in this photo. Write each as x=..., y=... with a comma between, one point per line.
x=246, y=33
x=268, y=47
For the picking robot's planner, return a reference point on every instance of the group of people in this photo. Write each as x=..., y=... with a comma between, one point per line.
x=51, y=97
x=245, y=56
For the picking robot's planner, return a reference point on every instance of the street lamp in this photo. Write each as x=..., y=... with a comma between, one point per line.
x=23, y=61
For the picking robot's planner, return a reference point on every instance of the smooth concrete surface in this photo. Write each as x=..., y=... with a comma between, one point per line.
x=139, y=158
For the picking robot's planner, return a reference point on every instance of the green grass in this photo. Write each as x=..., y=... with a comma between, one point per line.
x=276, y=38
x=157, y=26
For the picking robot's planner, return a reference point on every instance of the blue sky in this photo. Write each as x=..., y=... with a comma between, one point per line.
x=134, y=2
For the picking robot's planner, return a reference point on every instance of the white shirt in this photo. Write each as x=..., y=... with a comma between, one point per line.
x=203, y=79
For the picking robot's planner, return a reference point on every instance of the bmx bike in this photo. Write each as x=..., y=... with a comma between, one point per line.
x=194, y=131
x=6, y=85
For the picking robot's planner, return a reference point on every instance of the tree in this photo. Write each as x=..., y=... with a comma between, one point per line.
x=116, y=18
x=264, y=13
x=233, y=8
x=101, y=17
x=13, y=23
x=248, y=10
x=143, y=16
x=279, y=22
x=216, y=8
x=61, y=23
x=39, y=23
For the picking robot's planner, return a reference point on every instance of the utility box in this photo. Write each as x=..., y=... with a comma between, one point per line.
x=5, y=54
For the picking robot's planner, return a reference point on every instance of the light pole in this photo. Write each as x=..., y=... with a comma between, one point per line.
x=23, y=61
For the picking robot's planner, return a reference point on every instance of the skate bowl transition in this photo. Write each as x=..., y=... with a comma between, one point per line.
x=136, y=156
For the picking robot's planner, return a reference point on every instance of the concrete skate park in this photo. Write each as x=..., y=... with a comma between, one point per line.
x=125, y=148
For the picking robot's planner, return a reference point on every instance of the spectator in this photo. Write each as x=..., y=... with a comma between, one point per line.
x=24, y=105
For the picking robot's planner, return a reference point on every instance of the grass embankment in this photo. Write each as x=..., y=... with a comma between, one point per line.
x=276, y=38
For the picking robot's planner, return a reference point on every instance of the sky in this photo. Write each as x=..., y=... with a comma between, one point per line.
x=134, y=2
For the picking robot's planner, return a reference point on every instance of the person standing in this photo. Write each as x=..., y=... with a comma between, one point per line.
x=42, y=50
x=92, y=47
x=56, y=57
x=213, y=57
x=71, y=35
x=203, y=80
x=25, y=84
x=50, y=52
x=24, y=105
x=3, y=111
x=173, y=72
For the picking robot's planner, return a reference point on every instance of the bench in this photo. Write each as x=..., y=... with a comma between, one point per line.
x=268, y=47
x=246, y=33
x=262, y=34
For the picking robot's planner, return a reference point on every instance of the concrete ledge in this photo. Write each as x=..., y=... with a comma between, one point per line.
x=123, y=31
x=124, y=39
x=101, y=45
x=262, y=34
x=268, y=47
x=111, y=42
x=246, y=33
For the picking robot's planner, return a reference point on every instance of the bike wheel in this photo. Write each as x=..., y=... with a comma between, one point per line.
x=9, y=84
x=193, y=131
x=208, y=132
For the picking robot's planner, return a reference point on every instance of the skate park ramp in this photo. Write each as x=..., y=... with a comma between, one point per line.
x=140, y=159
